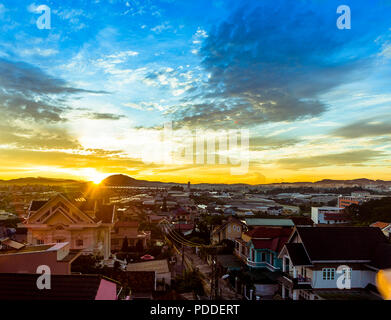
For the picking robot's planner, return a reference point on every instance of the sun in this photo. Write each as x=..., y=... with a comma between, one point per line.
x=93, y=175
x=96, y=180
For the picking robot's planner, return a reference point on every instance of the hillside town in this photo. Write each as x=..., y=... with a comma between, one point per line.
x=116, y=241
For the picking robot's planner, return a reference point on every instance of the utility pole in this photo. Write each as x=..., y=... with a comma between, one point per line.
x=214, y=285
x=183, y=251
x=183, y=257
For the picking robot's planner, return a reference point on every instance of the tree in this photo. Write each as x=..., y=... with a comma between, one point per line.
x=370, y=211
x=125, y=246
x=139, y=246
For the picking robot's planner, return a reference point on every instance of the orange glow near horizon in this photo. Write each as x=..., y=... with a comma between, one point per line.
x=200, y=174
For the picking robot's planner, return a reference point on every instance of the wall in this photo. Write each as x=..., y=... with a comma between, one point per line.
x=28, y=263
x=90, y=237
x=360, y=279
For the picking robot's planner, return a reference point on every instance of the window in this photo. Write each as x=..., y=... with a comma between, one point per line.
x=263, y=256
x=39, y=241
x=79, y=242
x=347, y=273
x=328, y=273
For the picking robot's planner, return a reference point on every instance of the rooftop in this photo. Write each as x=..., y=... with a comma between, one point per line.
x=22, y=286
x=160, y=266
x=341, y=243
x=380, y=224
x=297, y=254
x=269, y=222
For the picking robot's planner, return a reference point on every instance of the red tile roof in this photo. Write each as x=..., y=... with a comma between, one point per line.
x=269, y=237
x=380, y=224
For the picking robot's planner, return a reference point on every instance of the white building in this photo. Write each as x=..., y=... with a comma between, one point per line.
x=332, y=262
x=328, y=215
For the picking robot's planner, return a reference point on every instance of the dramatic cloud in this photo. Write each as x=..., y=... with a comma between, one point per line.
x=26, y=92
x=104, y=116
x=40, y=138
x=25, y=78
x=364, y=128
x=356, y=157
x=270, y=64
x=266, y=143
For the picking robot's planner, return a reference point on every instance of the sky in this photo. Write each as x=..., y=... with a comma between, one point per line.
x=129, y=86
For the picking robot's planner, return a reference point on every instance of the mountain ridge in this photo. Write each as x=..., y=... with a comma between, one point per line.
x=125, y=180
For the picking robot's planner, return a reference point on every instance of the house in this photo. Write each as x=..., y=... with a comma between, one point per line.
x=23, y=286
x=184, y=228
x=160, y=267
x=181, y=214
x=329, y=215
x=85, y=225
x=230, y=230
x=315, y=259
x=128, y=230
x=27, y=258
x=259, y=247
x=384, y=226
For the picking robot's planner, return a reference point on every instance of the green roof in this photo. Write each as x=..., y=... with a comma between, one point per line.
x=269, y=222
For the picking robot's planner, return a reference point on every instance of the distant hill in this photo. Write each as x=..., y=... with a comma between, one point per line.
x=39, y=180
x=121, y=180
x=124, y=180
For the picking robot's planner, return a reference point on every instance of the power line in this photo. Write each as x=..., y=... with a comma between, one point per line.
x=183, y=240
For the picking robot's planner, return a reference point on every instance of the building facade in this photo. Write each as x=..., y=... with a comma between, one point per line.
x=259, y=248
x=328, y=215
x=332, y=262
x=230, y=230
x=85, y=226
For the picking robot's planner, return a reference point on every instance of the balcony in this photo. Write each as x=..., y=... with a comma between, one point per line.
x=254, y=264
x=298, y=278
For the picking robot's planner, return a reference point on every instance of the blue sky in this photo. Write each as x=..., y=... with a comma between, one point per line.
x=82, y=98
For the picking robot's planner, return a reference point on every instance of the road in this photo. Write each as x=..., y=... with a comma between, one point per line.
x=194, y=262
